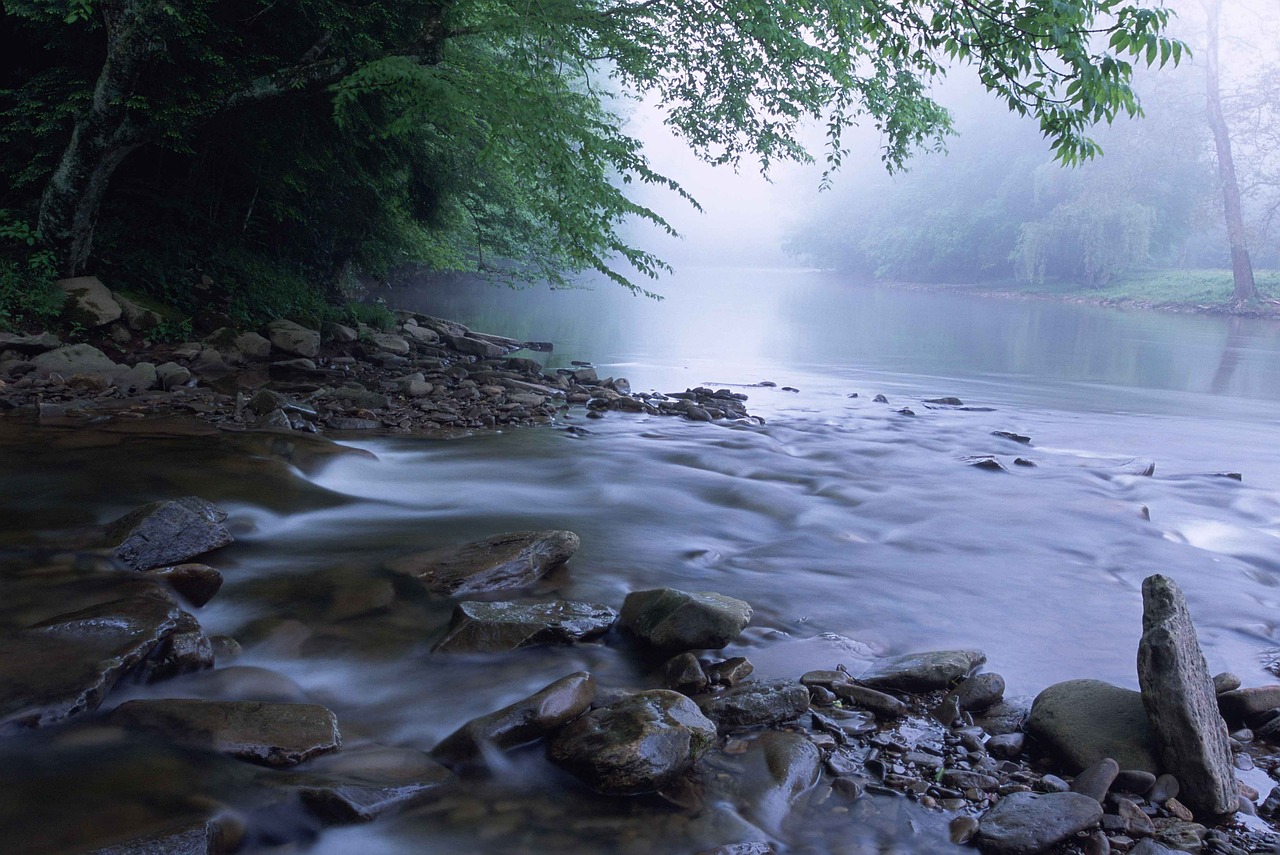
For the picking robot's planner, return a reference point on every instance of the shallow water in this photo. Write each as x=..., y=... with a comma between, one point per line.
x=852, y=529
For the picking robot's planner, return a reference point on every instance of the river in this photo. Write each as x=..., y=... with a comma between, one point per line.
x=852, y=528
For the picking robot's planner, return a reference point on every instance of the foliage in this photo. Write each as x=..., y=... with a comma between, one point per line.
x=27, y=291
x=375, y=315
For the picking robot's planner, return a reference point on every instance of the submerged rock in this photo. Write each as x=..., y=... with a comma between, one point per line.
x=674, y=621
x=196, y=583
x=361, y=785
x=922, y=672
x=522, y=722
x=1179, y=698
x=1030, y=823
x=490, y=627
x=1085, y=721
x=165, y=533
x=638, y=744
x=775, y=768
x=271, y=734
x=513, y=560
x=756, y=704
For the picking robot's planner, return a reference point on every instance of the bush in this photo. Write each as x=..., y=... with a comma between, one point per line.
x=28, y=295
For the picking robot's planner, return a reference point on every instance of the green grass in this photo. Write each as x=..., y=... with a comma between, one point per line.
x=1164, y=287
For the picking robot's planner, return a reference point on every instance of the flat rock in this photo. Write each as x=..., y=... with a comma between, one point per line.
x=922, y=672
x=294, y=339
x=73, y=359
x=1085, y=721
x=252, y=346
x=524, y=721
x=166, y=533
x=89, y=302
x=35, y=343
x=1177, y=692
x=391, y=343
x=474, y=346
x=674, y=621
x=502, y=562
x=490, y=627
x=271, y=734
x=638, y=744
x=756, y=703
x=1030, y=823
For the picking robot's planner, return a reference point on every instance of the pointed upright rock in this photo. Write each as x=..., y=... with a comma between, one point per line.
x=1179, y=698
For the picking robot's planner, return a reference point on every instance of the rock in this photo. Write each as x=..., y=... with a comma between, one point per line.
x=171, y=374
x=979, y=692
x=422, y=335
x=490, y=627
x=270, y=734
x=1225, y=682
x=1030, y=823
x=391, y=343
x=1178, y=695
x=1150, y=847
x=1006, y=746
x=756, y=704
x=473, y=346
x=341, y=333
x=1165, y=787
x=137, y=316
x=294, y=339
x=64, y=666
x=770, y=774
x=360, y=785
x=252, y=345
x=513, y=560
x=166, y=533
x=195, y=583
x=532, y=718
x=673, y=620
x=962, y=829
x=140, y=378
x=1242, y=706
x=638, y=744
x=358, y=396
x=1010, y=435
x=89, y=302
x=203, y=837
x=1134, y=781
x=949, y=401
x=1008, y=716
x=34, y=343
x=266, y=401
x=730, y=672
x=1095, y=782
x=922, y=672
x=1086, y=721
x=882, y=705
x=75, y=359
x=683, y=673
x=1136, y=823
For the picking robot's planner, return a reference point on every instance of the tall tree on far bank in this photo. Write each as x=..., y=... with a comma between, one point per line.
x=1241, y=265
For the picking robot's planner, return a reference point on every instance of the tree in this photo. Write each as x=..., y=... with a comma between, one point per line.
x=504, y=105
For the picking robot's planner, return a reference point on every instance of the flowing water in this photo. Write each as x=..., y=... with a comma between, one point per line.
x=853, y=529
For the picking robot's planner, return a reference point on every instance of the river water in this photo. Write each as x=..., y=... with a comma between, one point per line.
x=853, y=529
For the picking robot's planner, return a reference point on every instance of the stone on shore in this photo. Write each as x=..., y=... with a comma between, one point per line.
x=73, y=359
x=979, y=692
x=491, y=627
x=1177, y=692
x=756, y=704
x=165, y=533
x=1095, y=782
x=270, y=734
x=886, y=706
x=89, y=302
x=294, y=339
x=526, y=720
x=922, y=672
x=638, y=744
x=502, y=562
x=1243, y=706
x=675, y=621
x=1085, y=721
x=1030, y=823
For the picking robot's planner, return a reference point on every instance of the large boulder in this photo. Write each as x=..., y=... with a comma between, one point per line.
x=270, y=734
x=491, y=627
x=502, y=562
x=75, y=359
x=522, y=722
x=474, y=346
x=1085, y=721
x=675, y=621
x=1031, y=823
x=165, y=533
x=756, y=704
x=89, y=302
x=638, y=744
x=1177, y=692
x=294, y=339
x=922, y=672
x=391, y=343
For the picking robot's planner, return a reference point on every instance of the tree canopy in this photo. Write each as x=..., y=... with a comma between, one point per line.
x=158, y=138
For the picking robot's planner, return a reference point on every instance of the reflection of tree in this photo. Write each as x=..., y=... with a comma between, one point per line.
x=1230, y=358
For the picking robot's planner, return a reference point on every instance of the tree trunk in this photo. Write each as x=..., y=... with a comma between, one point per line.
x=1241, y=266
x=102, y=137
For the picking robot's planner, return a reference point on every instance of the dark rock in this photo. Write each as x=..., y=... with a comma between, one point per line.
x=1030, y=823
x=522, y=722
x=964, y=779
x=294, y=339
x=1134, y=781
x=879, y=703
x=186, y=650
x=505, y=561
x=1165, y=787
x=270, y=734
x=962, y=829
x=636, y=745
x=1136, y=823
x=166, y=533
x=1084, y=721
x=1180, y=701
x=986, y=462
x=922, y=672
x=351, y=423
x=683, y=673
x=1006, y=746
x=202, y=837
x=1008, y=716
x=1095, y=782
x=730, y=672
x=491, y=627
x=1010, y=435
x=1225, y=682
x=880, y=399
x=195, y=583
x=949, y=401
x=359, y=786
x=1242, y=706
x=756, y=704
x=36, y=343
x=673, y=620
x=979, y=692
x=770, y=774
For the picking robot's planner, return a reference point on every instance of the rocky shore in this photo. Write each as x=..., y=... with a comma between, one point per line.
x=1086, y=768
x=426, y=376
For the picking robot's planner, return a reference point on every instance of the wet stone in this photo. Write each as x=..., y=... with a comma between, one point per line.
x=979, y=692
x=524, y=721
x=770, y=774
x=638, y=744
x=498, y=626
x=1134, y=781
x=166, y=533
x=270, y=734
x=683, y=673
x=203, y=837
x=1225, y=682
x=730, y=672
x=667, y=619
x=1095, y=782
x=195, y=583
x=1086, y=721
x=922, y=672
x=1030, y=823
x=869, y=699
x=502, y=562
x=1006, y=746
x=1245, y=705
x=756, y=704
